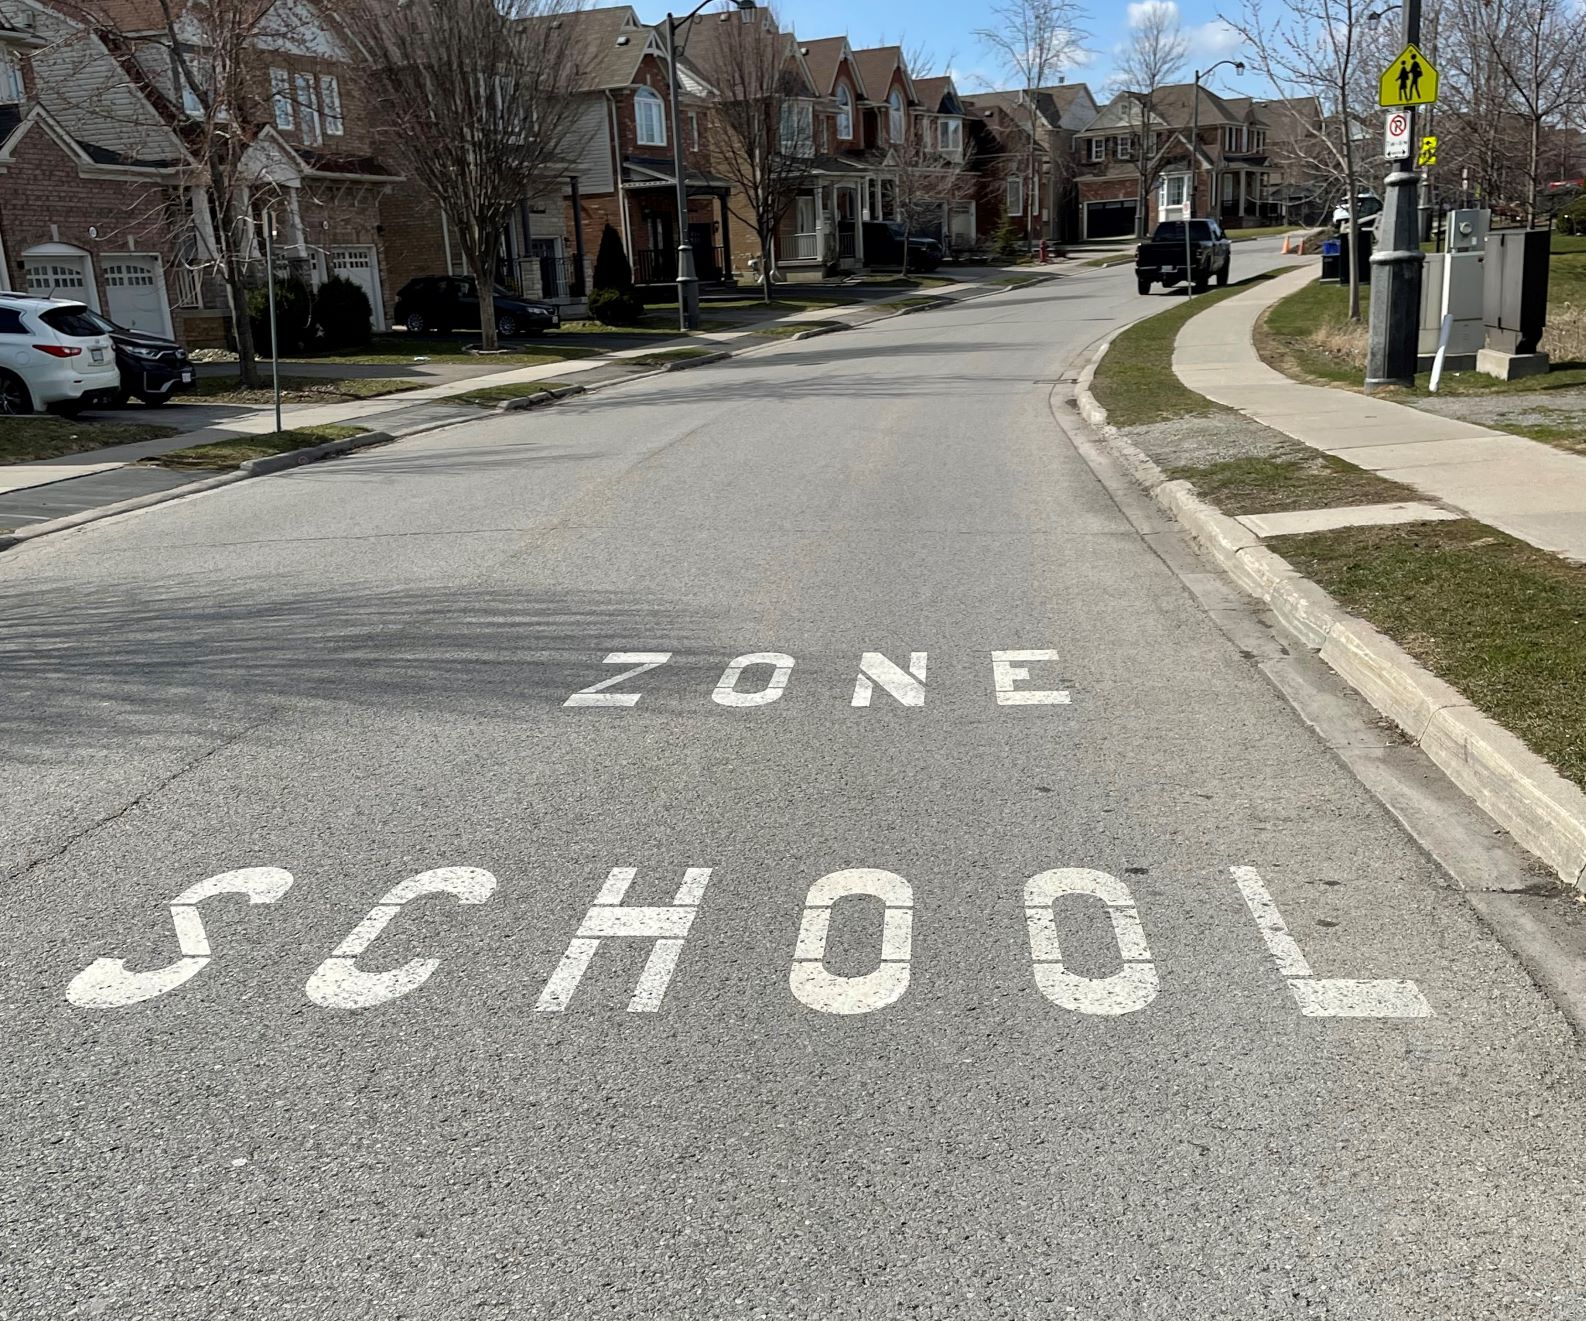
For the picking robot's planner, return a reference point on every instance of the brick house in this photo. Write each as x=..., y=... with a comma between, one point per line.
x=1138, y=147
x=1022, y=147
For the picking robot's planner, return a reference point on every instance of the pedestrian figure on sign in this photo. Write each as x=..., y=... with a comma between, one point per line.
x=1404, y=80
x=1415, y=76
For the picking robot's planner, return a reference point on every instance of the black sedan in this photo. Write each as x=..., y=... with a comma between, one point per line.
x=448, y=302
x=153, y=368
x=884, y=242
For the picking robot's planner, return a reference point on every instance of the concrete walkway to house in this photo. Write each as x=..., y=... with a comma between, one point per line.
x=1522, y=487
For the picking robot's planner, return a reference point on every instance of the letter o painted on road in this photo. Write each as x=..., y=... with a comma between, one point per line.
x=820, y=989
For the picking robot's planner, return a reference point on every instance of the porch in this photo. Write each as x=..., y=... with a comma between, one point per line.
x=823, y=232
x=649, y=191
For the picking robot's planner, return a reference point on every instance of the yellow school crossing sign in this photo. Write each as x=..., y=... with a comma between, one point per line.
x=1409, y=80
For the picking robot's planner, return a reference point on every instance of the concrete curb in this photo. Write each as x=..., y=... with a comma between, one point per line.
x=704, y=360
x=552, y=396
x=1543, y=812
x=261, y=467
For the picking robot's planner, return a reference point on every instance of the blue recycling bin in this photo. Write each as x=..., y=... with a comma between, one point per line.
x=1333, y=261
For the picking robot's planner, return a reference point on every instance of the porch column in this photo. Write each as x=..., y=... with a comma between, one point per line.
x=822, y=223
x=859, y=223
x=1244, y=180
x=726, y=235
x=576, y=286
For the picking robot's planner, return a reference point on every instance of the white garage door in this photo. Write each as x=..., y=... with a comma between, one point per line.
x=133, y=294
x=58, y=277
x=358, y=265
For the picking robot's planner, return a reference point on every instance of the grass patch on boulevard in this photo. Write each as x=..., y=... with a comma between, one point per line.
x=298, y=389
x=225, y=454
x=400, y=349
x=1019, y=281
x=783, y=302
x=1118, y=259
x=663, y=356
x=490, y=395
x=26, y=439
x=1278, y=485
x=1135, y=382
x=1503, y=622
x=787, y=329
x=902, y=304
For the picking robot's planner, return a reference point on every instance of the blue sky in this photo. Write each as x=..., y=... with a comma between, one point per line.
x=946, y=29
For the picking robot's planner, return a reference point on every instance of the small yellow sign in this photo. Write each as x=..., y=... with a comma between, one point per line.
x=1428, y=153
x=1409, y=80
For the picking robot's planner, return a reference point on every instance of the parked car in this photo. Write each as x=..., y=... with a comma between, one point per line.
x=53, y=355
x=884, y=240
x=447, y=302
x=152, y=367
x=1160, y=259
x=1368, y=213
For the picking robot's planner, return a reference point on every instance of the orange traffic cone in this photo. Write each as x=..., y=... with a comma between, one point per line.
x=1285, y=245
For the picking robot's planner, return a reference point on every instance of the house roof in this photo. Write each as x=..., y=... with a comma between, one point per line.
x=610, y=43
x=824, y=57
x=875, y=65
x=932, y=92
x=1172, y=106
x=1053, y=104
x=704, y=45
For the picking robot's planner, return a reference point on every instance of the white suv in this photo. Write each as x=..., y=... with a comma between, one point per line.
x=52, y=355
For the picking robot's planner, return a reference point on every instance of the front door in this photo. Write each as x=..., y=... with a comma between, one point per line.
x=702, y=238
x=134, y=294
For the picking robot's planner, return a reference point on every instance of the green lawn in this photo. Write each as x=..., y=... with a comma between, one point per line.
x=1275, y=485
x=400, y=349
x=662, y=356
x=233, y=453
x=44, y=436
x=787, y=329
x=490, y=395
x=901, y=304
x=1501, y=621
x=782, y=302
x=298, y=389
x=1135, y=382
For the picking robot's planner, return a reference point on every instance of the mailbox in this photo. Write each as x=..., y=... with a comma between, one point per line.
x=1515, y=296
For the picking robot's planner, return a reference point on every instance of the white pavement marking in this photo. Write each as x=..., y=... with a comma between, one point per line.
x=1324, y=997
x=106, y=983
x=338, y=983
x=1132, y=987
x=727, y=693
x=907, y=686
x=1006, y=674
x=667, y=925
x=829, y=993
x=596, y=694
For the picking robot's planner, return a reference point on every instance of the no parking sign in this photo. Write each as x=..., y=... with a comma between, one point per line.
x=1396, y=136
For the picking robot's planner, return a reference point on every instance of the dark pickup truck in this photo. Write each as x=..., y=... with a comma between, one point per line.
x=1160, y=259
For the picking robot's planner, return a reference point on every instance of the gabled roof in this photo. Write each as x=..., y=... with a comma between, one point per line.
x=1172, y=106
x=876, y=65
x=825, y=57
x=609, y=43
x=933, y=93
x=704, y=39
x=1054, y=105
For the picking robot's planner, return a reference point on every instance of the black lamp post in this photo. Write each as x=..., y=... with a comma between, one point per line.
x=1194, y=146
x=687, y=277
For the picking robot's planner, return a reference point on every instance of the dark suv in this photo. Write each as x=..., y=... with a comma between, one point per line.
x=448, y=302
x=153, y=368
x=884, y=246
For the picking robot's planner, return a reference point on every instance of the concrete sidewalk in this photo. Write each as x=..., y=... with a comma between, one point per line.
x=1523, y=487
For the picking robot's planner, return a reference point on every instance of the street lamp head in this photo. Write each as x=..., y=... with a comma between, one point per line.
x=1239, y=66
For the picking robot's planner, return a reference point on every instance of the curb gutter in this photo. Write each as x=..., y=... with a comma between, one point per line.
x=1538, y=807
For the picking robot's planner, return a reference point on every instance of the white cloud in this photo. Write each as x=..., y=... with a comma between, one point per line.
x=1140, y=12
x=1215, y=40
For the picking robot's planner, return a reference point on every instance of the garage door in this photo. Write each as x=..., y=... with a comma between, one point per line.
x=358, y=265
x=1109, y=220
x=58, y=277
x=133, y=294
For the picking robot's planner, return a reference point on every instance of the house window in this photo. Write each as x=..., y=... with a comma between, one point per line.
x=1154, y=143
x=798, y=128
x=281, y=98
x=895, y=116
x=1173, y=190
x=649, y=117
x=1123, y=146
x=10, y=78
x=1015, y=196
x=192, y=106
x=330, y=104
x=1256, y=139
x=952, y=136
x=845, y=113
x=1234, y=138
x=1095, y=149
x=308, y=109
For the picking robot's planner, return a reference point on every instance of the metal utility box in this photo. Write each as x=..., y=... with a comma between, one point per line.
x=1452, y=284
x=1516, y=289
x=1467, y=230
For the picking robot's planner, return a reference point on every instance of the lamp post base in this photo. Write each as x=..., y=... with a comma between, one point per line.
x=687, y=288
x=1395, y=320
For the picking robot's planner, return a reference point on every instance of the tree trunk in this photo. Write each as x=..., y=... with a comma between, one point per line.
x=236, y=286
x=1533, y=180
x=766, y=243
x=1353, y=255
x=481, y=266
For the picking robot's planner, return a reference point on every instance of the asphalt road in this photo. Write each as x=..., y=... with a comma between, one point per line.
x=754, y=1096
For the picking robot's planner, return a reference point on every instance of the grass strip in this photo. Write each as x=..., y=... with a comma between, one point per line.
x=1135, y=382
x=224, y=454
x=27, y=439
x=663, y=356
x=1280, y=485
x=490, y=395
x=1503, y=622
x=299, y=389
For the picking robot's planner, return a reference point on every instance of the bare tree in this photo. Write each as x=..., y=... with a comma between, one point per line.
x=1035, y=40
x=478, y=99
x=927, y=177
x=1314, y=49
x=760, y=127
x=1152, y=58
x=1536, y=48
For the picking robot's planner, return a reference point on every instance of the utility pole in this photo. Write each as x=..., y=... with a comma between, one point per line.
x=1396, y=265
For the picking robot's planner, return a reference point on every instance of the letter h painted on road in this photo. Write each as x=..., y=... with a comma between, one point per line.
x=667, y=925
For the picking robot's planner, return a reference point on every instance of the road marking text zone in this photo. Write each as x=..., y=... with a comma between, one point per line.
x=338, y=983
x=759, y=678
